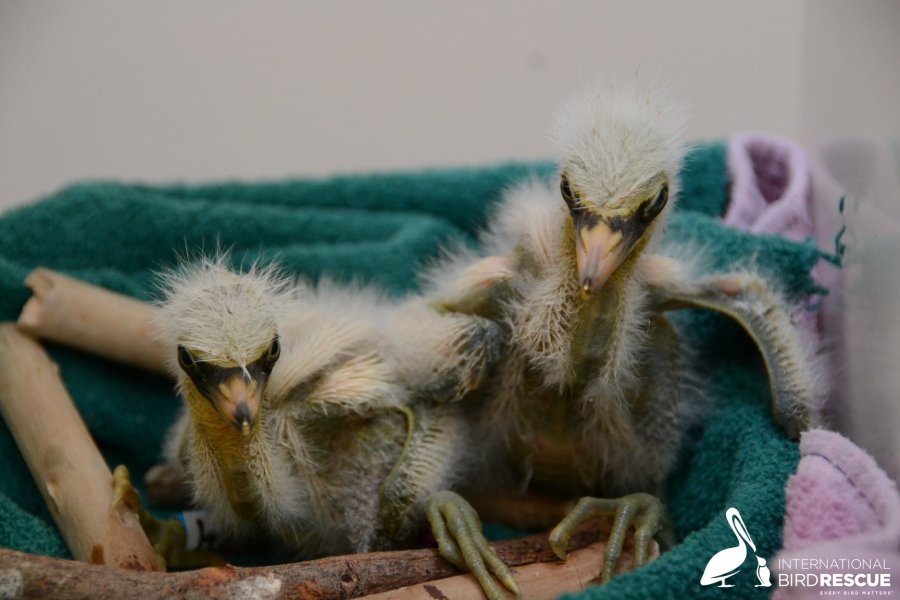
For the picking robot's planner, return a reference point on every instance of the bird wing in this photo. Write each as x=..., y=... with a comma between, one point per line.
x=748, y=300
x=332, y=361
x=474, y=288
x=441, y=356
x=527, y=232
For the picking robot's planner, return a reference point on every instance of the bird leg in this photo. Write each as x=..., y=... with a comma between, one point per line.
x=432, y=436
x=643, y=511
x=168, y=537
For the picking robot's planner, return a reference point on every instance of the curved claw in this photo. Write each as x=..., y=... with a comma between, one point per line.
x=457, y=529
x=644, y=511
x=168, y=538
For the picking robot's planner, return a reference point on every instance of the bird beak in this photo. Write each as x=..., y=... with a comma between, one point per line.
x=599, y=251
x=237, y=399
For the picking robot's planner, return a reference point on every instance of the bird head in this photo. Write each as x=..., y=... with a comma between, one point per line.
x=224, y=326
x=619, y=151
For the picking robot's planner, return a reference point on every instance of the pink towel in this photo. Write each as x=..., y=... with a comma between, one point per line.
x=770, y=191
x=770, y=194
x=843, y=517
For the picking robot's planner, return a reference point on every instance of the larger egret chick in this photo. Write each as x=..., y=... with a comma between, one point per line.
x=298, y=427
x=590, y=396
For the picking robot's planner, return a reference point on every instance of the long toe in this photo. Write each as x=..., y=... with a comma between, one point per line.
x=457, y=529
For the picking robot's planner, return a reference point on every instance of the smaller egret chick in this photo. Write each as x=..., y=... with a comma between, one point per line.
x=299, y=428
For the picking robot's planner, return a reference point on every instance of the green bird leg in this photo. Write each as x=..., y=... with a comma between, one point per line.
x=457, y=530
x=656, y=429
x=168, y=537
x=433, y=436
x=642, y=511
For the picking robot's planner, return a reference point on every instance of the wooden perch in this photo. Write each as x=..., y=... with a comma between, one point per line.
x=69, y=470
x=537, y=581
x=90, y=318
x=332, y=578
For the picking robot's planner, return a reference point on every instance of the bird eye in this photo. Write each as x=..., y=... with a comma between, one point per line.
x=274, y=351
x=566, y=190
x=186, y=359
x=655, y=206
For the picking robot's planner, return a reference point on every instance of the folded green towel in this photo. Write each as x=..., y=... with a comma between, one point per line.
x=380, y=229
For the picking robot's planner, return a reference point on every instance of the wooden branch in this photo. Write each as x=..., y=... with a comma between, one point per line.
x=537, y=581
x=332, y=578
x=90, y=318
x=65, y=463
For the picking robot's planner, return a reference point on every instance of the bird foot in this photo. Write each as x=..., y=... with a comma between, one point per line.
x=457, y=529
x=167, y=537
x=643, y=511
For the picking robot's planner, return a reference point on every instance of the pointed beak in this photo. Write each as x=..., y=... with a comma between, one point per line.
x=238, y=399
x=600, y=249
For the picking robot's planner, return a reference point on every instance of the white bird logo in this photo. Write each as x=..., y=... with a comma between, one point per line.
x=728, y=562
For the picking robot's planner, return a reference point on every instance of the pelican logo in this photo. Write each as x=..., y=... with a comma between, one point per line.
x=728, y=562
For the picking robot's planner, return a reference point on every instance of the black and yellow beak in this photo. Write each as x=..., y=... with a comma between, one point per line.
x=599, y=250
x=237, y=399
x=603, y=242
x=235, y=392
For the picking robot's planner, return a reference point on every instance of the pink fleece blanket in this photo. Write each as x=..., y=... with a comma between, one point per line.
x=842, y=521
x=770, y=186
x=770, y=193
x=842, y=524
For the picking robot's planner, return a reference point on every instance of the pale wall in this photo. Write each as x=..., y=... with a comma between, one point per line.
x=168, y=90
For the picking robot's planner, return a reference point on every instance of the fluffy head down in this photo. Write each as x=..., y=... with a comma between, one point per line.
x=219, y=315
x=611, y=141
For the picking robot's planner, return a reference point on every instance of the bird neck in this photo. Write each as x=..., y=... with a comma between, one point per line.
x=600, y=318
x=231, y=448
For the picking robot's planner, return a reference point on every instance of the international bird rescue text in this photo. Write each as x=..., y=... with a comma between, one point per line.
x=838, y=577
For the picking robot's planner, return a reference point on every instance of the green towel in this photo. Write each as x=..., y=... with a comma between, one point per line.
x=381, y=229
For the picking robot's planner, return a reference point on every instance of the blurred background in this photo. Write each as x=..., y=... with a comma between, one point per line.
x=169, y=91
x=172, y=90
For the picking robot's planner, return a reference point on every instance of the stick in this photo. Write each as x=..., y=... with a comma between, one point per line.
x=537, y=581
x=330, y=578
x=65, y=463
x=88, y=317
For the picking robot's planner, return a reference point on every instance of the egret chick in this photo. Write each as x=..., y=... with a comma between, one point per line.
x=591, y=395
x=299, y=428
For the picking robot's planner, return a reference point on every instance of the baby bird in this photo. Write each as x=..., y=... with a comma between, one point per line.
x=301, y=426
x=590, y=397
